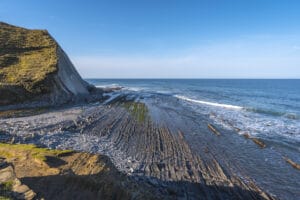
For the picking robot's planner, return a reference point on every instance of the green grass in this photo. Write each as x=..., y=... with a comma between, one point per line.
x=5, y=198
x=5, y=190
x=18, y=150
x=7, y=185
x=26, y=57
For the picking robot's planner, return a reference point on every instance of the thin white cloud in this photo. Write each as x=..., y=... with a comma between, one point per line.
x=296, y=47
x=259, y=57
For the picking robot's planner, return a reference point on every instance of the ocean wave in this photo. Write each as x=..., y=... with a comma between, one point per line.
x=228, y=106
x=113, y=85
x=265, y=111
x=135, y=89
x=274, y=113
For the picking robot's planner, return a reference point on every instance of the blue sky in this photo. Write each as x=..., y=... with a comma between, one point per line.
x=169, y=38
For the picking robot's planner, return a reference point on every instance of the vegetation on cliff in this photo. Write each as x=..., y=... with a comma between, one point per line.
x=64, y=174
x=16, y=151
x=27, y=57
x=32, y=65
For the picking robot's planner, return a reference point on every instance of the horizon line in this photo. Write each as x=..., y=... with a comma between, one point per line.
x=200, y=78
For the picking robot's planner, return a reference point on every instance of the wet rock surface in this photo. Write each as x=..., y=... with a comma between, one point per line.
x=148, y=152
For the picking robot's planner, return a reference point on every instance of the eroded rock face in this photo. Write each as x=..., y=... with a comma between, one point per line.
x=34, y=67
x=11, y=186
x=57, y=174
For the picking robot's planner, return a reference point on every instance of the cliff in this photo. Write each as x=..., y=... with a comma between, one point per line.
x=33, y=67
x=28, y=172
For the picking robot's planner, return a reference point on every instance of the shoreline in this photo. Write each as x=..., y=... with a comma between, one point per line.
x=127, y=132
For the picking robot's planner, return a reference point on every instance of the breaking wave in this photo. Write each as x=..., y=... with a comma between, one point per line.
x=228, y=106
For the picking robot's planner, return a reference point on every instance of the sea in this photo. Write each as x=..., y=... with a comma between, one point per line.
x=267, y=109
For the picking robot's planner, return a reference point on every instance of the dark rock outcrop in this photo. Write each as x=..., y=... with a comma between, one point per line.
x=10, y=186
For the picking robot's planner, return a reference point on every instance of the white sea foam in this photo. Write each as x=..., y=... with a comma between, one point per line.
x=209, y=103
x=135, y=89
x=114, y=85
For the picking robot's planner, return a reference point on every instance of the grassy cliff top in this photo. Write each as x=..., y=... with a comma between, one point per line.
x=66, y=174
x=26, y=57
x=17, y=151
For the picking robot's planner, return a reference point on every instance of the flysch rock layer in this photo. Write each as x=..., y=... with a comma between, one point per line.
x=145, y=151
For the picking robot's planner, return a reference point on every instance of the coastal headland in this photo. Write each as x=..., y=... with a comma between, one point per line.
x=62, y=138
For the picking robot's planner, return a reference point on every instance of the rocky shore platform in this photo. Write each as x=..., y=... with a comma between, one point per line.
x=147, y=150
